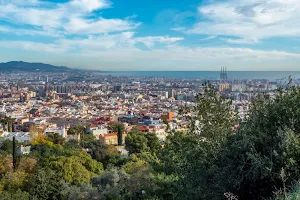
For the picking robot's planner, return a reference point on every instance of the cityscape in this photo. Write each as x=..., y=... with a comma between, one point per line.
x=149, y=100
x=107, y=116
x=55, y=102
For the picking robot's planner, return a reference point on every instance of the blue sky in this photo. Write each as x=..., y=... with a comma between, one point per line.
x=153, y=34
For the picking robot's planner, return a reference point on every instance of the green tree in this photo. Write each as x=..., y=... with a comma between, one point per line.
x=47, y=184
x=115, y=126
x=136, y=142
x=153, y=142
x=264, y=147
x=15, y=154
x=77, y=168
x=106, y=154
x=192, y=157
x=72, y=170
x=76, y=130
x=119, y=128
x=7, y=146
x=117, y=184
x=55, y=138
x=13, y=195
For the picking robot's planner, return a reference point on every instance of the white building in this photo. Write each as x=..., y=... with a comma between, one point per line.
x=23, y=137
x=61, y=131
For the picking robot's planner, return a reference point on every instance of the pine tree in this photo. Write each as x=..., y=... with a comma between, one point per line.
x=14, y=153
x=120, y=139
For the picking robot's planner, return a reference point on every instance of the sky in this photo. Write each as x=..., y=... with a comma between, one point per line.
x=180, y=35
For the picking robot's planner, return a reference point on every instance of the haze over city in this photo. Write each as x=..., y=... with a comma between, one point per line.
x=153, y=35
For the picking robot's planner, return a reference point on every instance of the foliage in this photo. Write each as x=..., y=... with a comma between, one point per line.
x=13, y=195
x=5, y=165
x=119, y=128
x=46, y=149
x=293, y=195
x=211, y=160
x=193, y=156
x=14, y=180
x=76, y=130
x=138, y=142
x=115, y=126
x=81, y=192
x=106, y=154
x=265, y=146
x=153, y=142
x=135, y=164
x=41, y=139
x=86, y=138
x=47, y=184
x=7, y=146
x=72, y=170
x=117, y=184
x=55, y=138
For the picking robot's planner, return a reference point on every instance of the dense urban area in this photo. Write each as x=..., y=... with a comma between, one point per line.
x=87, y=135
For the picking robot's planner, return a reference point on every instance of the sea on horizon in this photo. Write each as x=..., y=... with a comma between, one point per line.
x=238, y=75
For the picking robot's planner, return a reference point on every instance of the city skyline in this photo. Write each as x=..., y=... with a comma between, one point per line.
x=151, y=35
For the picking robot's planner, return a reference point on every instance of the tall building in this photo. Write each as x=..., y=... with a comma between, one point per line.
x=223, y=74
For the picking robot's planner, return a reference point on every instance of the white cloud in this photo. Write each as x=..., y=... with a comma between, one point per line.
x=209, y=38
x=113, y=41
x=150, y=41
x=31, y=32
x=249, y=19
x=88, y=5
x=72, y=17
x=81, y=38
x=124, y=55
x=99, y=43
x=33, y=46
x=101, y=25
x=241, y=41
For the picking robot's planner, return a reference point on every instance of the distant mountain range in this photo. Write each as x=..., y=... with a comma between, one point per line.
x=32, y=67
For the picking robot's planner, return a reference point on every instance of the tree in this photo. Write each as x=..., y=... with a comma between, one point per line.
x=266, y=145
x=13, y=195
x=136, y=142
x=7, y=146
x=72, y=170
x=76, y=130
x=86, y=139
x=119, y=128
x=120, y=136
x=117, y=184
x=15, y=154
x=47, y=184
x=106, y=154
x=135, y=164
x=55, y=138
x=44, y=149
x=153, y=142
x=14, y=180
x=77, y=168
x=81, y=131
x=192, y=156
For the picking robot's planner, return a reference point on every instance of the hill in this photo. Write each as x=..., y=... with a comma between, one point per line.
x=32, y=67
